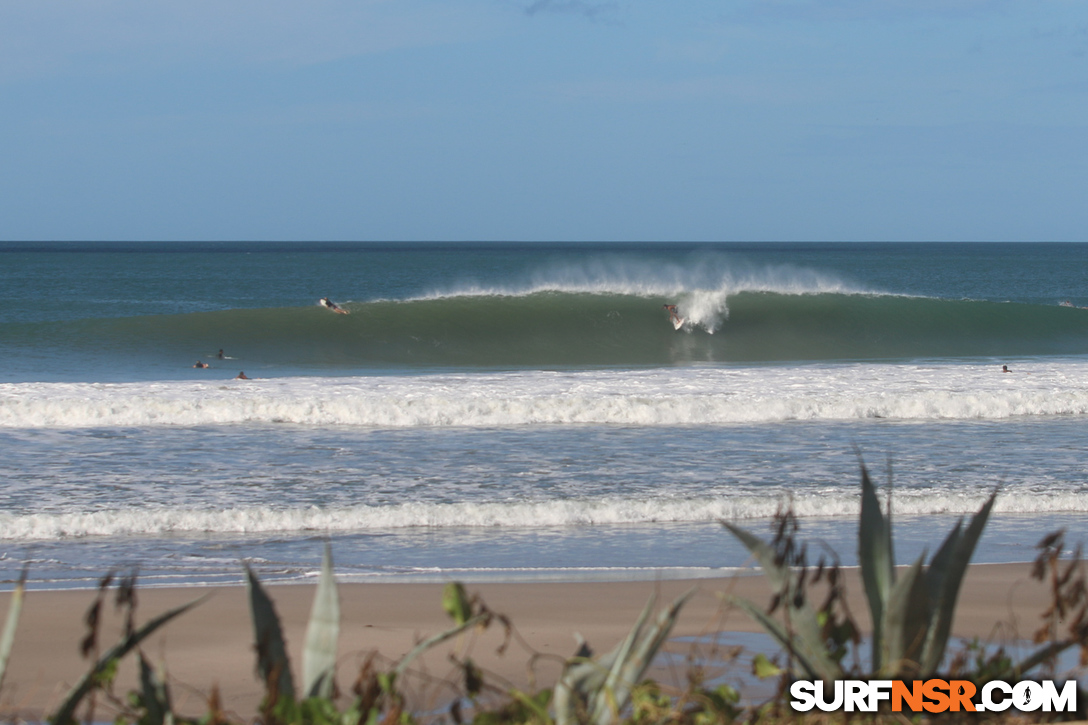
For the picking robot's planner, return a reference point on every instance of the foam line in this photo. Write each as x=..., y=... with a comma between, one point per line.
x=700, y=397
x=555, y=513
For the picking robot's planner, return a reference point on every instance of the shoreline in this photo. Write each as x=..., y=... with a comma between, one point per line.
x=212, y=645
x=651, y=575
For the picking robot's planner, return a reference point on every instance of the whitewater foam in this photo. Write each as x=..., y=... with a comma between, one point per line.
x=606, y=511
x=672, y=397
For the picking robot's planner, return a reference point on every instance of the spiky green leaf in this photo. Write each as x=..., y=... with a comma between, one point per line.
x=579, y=680
x=802, y=619
x=777, y=575
x=322, y=634
x=906, y=617
x=273, y=667
x=937, y=573
x=596, y=692
x=154, y=696
x=15, y=608
x=581, y=677
x=600, y=701
x=631, y=664
x=876, y=558
x=810, y=655
x=954, y=566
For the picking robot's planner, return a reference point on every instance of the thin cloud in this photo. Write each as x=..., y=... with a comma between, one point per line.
x=852, y=10
x=760, y=91
x=50, y=37
x=591, y=10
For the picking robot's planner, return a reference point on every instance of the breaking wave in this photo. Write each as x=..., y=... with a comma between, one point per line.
x=654, y=397
x=574, y=512
x=578, y=325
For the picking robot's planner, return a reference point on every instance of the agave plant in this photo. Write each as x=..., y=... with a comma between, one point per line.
x=15, y=608
x=595, y=692
x=912, y=611
x=319, y=651
x=282, y=704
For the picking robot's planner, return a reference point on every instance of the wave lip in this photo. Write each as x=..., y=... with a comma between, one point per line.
x=640, y=278
x=669, y=397
x=510, y=515
x=701, y=292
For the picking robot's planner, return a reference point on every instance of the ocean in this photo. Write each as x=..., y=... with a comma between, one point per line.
x=508, y=412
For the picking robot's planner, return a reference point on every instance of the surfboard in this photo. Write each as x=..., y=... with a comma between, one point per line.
x=677, y=323
x=329, y=305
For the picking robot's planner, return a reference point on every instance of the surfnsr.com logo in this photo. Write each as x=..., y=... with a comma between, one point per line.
x=933, y=696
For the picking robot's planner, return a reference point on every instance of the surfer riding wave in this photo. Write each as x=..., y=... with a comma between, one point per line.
x=677, y=320
x=326, y=302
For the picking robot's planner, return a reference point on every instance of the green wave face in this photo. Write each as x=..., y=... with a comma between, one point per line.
x=557, y=329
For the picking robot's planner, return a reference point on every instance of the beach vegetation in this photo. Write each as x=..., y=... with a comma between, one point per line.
x=911, y=609
x=101, y=675
x=11, y=623
x=597, y=691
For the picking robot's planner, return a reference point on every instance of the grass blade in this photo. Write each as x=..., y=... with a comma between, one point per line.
x=436, y=640
x=1039, y=656
x=64, y=714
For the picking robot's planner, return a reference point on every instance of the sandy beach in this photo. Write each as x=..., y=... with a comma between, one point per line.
x=213, y=644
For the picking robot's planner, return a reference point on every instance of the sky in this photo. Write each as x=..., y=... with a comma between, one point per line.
x=544, y=120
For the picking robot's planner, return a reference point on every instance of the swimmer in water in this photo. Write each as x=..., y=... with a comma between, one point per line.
x=242, y=376
x=201, y=364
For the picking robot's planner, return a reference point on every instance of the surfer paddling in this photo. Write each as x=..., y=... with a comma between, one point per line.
x=200, y=364
x=326, y=302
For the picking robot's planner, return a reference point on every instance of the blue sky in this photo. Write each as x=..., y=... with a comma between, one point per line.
x=544, y=120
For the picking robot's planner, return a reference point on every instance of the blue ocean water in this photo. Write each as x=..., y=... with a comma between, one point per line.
x=507, y=411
